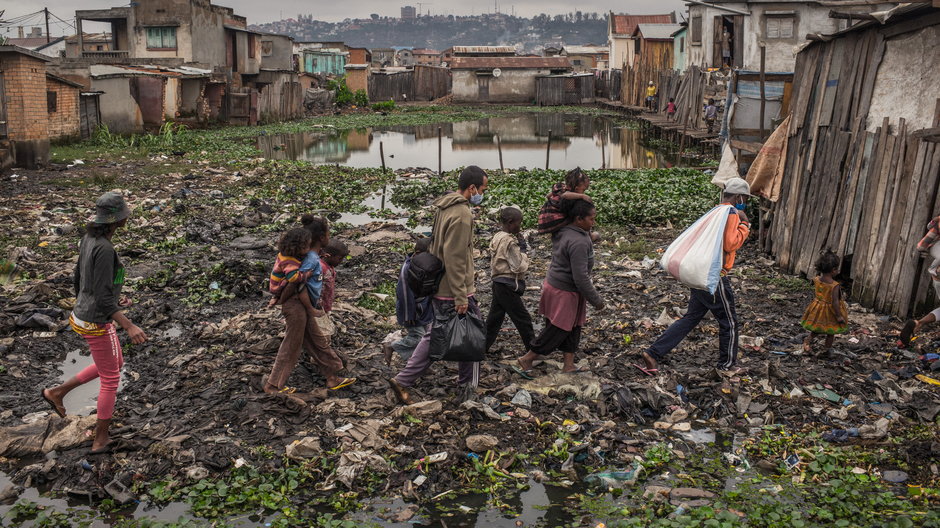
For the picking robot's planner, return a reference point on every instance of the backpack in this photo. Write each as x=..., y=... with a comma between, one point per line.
x=424, y=274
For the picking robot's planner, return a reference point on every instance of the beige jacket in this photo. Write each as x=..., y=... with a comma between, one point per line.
x=507, y=260
x=453, y=244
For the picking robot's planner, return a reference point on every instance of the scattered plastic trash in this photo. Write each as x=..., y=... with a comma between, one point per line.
x=840, y=435
x=615, y=479
x=792, y=461
x=522, y=398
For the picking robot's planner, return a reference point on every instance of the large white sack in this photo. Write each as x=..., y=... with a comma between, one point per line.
x=695, y=257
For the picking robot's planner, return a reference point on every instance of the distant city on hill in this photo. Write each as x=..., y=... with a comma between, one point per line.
x=440, y=32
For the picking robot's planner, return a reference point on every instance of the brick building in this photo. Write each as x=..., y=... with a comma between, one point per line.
x=24, y=116
x=62, y=103
x=35, y=107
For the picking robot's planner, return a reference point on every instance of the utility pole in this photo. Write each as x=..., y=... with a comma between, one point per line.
x=45, y=11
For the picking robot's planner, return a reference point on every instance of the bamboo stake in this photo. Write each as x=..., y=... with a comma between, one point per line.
x=548, y=148
x=499, y=148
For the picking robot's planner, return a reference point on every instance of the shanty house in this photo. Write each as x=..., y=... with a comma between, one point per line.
x=35, y=107
x=729, y=34
x=620, y=40
x=139, y=98
x=680, y=47
x=586, y=58
x=857, y=168
x=502, y=79
x=331, y=61
x=653, y=45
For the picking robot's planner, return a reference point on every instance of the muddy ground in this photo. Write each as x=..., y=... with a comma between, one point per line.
x=198, y=250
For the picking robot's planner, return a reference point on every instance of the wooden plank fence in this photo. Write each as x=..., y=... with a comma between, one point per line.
x=867, y=195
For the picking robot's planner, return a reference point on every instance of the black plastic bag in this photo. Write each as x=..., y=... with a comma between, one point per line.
x=456, y=337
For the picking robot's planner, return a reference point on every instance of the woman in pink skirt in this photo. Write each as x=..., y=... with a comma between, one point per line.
x=567, y=290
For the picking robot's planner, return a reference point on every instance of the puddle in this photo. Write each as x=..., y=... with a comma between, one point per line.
x=589, y=142
x=539, y=505
x=699, y=436
x=379, y=208
x=82, y=399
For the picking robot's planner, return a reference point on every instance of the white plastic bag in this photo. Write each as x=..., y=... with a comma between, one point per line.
x=695, y=257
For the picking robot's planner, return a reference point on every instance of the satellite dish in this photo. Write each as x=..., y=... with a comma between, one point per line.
x=497, y=72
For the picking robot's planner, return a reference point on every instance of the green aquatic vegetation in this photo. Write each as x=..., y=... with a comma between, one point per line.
x=622, y=197
x=380, y=299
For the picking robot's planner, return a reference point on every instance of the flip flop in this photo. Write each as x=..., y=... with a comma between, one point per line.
x=345, y=383
x=524, y=374
x=55, y=409
x=647, y=371
x=907, y=334
x=103, y=451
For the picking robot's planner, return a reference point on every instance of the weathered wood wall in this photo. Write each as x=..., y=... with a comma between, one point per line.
x=866, y=195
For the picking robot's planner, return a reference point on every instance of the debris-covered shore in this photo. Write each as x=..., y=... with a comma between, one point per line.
x=193, y=425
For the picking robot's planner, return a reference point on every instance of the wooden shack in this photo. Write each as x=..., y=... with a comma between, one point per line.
x=863, y=157
x=571, y=89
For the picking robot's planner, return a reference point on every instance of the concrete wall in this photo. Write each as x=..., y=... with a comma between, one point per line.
x=357, y=79
x=513, y=86
x=208, y=38
x=277, y=52
x=680, y=47
x=908, y=81
x=621, y=52
x=64, y=122
x=24, y=92
x=163, y=12
x=119, y=110
x=172, y=96
x=780, y=54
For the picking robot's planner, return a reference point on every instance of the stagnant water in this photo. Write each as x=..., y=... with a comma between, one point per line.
x=589, y=142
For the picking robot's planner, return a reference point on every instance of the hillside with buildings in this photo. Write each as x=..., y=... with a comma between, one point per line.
x=439, y=32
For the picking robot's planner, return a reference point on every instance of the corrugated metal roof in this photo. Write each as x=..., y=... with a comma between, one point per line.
x=586, y=50
x=473, y=63
x=625, y=24
x=657, y=31
x=24, y=51
x=27, y=42
x=113, y=70
x=63, y=80
x=484, y=49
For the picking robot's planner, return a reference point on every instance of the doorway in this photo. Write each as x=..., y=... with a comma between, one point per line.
x=728, y=42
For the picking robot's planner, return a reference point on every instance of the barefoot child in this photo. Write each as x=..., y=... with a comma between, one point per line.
x=509, y=264
x=827, y=314
x=412, y=313
x=331, y=256
x=566, y=291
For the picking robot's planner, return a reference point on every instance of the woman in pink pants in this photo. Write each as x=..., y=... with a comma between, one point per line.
x=99, y=277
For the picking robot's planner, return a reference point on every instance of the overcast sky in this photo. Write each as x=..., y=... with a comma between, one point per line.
x=260, y=12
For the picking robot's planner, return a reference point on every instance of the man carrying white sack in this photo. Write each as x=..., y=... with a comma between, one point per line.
x=721, y=303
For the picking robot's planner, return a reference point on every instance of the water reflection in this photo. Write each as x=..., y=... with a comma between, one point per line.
x=577, y=140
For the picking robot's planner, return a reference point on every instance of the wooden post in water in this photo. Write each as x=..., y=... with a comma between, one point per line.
x=603, y=157
x=499, y=148
x=382, y=155
x=548, y=148
x=685, y=126
x=439, y=173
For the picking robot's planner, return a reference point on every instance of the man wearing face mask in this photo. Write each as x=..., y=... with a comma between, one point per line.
x=452, y=242
x=721, y=304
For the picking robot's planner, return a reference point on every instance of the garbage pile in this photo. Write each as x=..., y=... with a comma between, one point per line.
x=198, y=249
